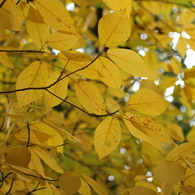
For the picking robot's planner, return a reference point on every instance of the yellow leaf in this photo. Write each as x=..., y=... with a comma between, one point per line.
x=84, y=2
x=84, y=189
x=142, y=190
x=146, y=129
x=55, y=15
x=34, y=75
x=5, y=60
x=114, y=29
x=47, y=135
x=108, y=72
x=112, y=104
x=47, y=158
x=19, y=156
x=119, y=5
x=11, y=16
x=191, y=135
x=96, y=186
x=169, y=172
x=182, y=151
x=62, y=41
x=107, y=136
x=130, y=62
x=176, y=132
x=36, y=27
x=147, y=185
x=182, y=46
x=35, y=164
x=148, y=102
x=74, y=60
x=59, y=89
x=69, y=182
x=90, y=97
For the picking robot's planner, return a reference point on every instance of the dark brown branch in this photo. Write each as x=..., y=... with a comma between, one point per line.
x=22, y=51
x=28, y=131
x=2, y=3
x=10, y=187
x=41, y=177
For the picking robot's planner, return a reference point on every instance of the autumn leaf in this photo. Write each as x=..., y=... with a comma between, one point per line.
x=114, y=29
x=36, y=27
x=108, y=72
x=169, y=172
x=90, y=97
x=146, y=129
x=5, y=60
x=33, y=76
x=55, y=15
x=96, y=186
x=69, y=182
x=59, y=89
x=107, y=136
x=130, y=62
x=148, y=102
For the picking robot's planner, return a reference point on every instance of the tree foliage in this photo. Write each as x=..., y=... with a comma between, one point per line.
x=97, y=97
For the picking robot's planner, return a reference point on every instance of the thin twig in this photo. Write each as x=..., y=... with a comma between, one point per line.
x=28, y=131
x=10, y=187
x=2, y=3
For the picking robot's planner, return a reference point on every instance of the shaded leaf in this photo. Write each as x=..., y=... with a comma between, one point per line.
x=69, y=182
x=84, y=189
x=169, y=172
x=5, y=60
x=107, y=136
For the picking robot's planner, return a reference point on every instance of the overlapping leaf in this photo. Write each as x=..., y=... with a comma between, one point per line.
x=34, y=76
x=108, y=72
x=36, y=27
x=107, y=136
x=130, y=62
x=148, y=102
x=119, y=5
x=146, y=129
x=59, y=89
x=96, y=186
x=5, y=60
x=55, y=14
x=90, y=97
x=114, y=28
x=62, y=41
x=169, y=172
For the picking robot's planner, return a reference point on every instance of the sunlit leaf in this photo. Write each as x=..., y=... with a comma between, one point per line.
x=119, y=5
x=74, y=60
x=148, y=102
x=169, y=172
x=176, y=132
x=36, y=27
x=96, y=186
x=130, y=62
x=62, y=41
x=69, y=182
x=55, y=14
x=11, y=16
x=59, y=89
x=114, y=29
x=182, y=151
x=107, y=136
x=146, y=129
x=108, y=72
x=90, y=97
x=84, y=189
x=47, y=135
x=47, y=158
x=141, y=190
x=34, y=75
